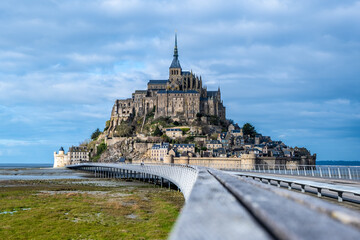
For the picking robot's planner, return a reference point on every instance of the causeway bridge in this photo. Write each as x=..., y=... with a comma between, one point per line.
x=238, y=205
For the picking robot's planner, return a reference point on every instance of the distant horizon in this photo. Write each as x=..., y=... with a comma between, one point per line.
x=47, y=163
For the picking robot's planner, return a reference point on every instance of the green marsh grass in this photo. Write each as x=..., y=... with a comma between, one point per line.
x=66, y=210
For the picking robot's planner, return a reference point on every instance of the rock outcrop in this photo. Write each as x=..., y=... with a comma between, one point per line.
x=126, y=148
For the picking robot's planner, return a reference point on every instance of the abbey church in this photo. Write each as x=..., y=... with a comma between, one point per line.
x=181, y=97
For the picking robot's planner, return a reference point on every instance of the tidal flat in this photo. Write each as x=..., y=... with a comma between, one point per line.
x=86, y=209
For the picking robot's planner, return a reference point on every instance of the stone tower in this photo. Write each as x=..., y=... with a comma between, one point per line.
x=175, y=70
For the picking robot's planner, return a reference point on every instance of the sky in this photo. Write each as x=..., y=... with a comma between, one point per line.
x=290, y=68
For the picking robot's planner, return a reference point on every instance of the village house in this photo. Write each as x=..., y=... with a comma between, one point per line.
x=75, y=155
x=213, y=144
x=78, y=154
x=173, y=133
x=180, y=148
x=159, y=151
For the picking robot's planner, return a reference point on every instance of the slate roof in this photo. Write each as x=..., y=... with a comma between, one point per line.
x=213, y=142
x=175, y=91
x=175, y=63
x=173, y=130
x=157, y=81
x=212, y=93
x=78, y=149
x=184, y=145
x=161, y=146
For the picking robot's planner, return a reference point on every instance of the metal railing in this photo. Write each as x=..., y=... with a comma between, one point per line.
x=182, y=175
x=320, y=171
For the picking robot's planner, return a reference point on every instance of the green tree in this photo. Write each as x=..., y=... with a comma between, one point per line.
x=214, y=120
x=95, y=134
x=185, y=130
x=101, y=148
x=107, y=125
x=165, y=138
x=198, y=117
x=123, y=130
x=214, y=136
x=249, y=129
x=157, y=132
x=203, y=148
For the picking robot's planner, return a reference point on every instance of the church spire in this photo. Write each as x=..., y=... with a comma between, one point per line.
x=176, y=54
x=175, y=62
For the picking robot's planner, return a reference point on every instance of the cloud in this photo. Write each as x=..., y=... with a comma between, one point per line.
x=90, y=58
x=289, y=67
x=338, y=101
x=19, y=143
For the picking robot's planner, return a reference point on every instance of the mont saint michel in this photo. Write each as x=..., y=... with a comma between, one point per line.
x=181, y=97
x=178, y=120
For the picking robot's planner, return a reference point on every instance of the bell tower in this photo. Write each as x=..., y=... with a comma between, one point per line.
x=175, y=69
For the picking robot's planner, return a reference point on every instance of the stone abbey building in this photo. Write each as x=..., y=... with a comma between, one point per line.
x=180, y=97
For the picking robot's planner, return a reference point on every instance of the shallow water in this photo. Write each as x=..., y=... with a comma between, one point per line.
x=24, y=165
x=40, y=174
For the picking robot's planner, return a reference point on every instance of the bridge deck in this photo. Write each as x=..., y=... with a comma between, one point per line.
x=338, y=188
x=223, y=206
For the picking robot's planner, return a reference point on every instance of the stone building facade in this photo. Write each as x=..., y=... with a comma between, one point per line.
x=182, y=96
x=73, y=156
x=173, y=133
x=159, y=151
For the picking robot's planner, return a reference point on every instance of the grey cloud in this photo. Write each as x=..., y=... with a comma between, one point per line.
x=290, y=67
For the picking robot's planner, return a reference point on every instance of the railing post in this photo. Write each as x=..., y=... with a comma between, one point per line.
x=319, y=192
x=329, y=172
x=349, y=173
x=340, y=196
x=339, y=172
x=302, y=188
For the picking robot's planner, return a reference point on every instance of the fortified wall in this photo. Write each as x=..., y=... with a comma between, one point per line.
x=246, y=161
